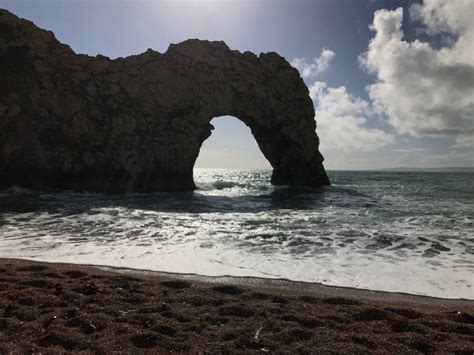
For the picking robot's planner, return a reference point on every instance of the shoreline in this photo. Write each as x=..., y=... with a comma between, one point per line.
x=57, y=307
x=276, y=284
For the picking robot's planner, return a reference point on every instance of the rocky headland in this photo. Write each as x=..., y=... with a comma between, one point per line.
x=73, y=121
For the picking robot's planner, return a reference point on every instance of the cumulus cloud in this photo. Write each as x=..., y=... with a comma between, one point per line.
x=420, y=89
x=320, y=64
x=342, y=118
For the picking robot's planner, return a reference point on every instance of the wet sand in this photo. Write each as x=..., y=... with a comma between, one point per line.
x=53, y=308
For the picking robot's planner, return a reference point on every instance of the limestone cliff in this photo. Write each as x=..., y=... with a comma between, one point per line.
x=136, y=124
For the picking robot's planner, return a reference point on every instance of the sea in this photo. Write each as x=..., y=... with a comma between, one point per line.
x=410, y=232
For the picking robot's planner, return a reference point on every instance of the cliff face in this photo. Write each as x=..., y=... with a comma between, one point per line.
x=137, y=123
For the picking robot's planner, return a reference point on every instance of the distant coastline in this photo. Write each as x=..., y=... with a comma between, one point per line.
x=431, y=170
x=457, y=169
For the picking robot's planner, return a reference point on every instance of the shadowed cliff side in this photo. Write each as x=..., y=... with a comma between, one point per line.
x=137, y=123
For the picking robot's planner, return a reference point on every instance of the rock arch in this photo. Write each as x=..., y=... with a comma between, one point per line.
x=137, y=123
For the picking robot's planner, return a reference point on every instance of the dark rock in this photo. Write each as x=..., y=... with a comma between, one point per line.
x=365, y=342
x=278, y=299
x=53, y=340
x=165, y=330
x=59, y=288
x=292, y=335
x=176, y=284
x=137, y=123
x=25, y=301
x=462, y=317
x=33, y=268
x=75, y=274
x=49, y=321
x=399, y=323
x=371, y=314
x=340, y=301
x=144, y=340
x=3, y=324
x=38, y=283
x=8, y=311
x=71, y=312
x=175, y=315
x=406, y=312
x=228, y=289
x=309, y=323
x=309, y=299
x=88, y=327
x=90, y=289
x=422, y=345
x=259, y=296
x=136, y=299
x=235, y=311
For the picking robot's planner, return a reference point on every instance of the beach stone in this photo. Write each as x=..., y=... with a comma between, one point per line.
x=340, y=301
x=291, y=335
x=228, y=289
x=3, y=324
x=89, y=289
x=406, y=312
x=88, y=327
x=176, y=284
x=235, y=311
x=165, y=330
x=137, y=123
x=38, y=284
x=54, y=340
x=463, y=317
x=144, y=340
x=74, y=274
x=371, y=314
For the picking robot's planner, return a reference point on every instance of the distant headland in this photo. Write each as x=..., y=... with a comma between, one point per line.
x=458, y=169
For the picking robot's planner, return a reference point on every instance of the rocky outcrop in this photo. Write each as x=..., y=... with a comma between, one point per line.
x=136, y=124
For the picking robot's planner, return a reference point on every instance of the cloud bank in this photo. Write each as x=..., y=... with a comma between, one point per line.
x=422, y=90
x=419, y=89
x=341, y=119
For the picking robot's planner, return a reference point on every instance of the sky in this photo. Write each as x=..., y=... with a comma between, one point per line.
x=392, y=82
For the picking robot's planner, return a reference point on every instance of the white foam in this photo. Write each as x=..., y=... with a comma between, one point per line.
x=335, y=237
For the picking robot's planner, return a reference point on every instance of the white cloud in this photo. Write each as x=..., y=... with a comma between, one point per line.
x=452, y=158
x=341, y=120
x=422, y=90
x=464, y=142
x=320, y=64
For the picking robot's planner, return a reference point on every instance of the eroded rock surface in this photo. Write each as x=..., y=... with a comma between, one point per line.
x=136, y=124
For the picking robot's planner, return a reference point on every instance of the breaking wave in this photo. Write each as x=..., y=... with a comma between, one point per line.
x=403, y=232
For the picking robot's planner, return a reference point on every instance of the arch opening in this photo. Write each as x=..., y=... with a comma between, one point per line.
x=231, y=145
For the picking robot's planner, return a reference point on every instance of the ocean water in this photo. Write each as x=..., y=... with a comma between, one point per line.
x=404, y=232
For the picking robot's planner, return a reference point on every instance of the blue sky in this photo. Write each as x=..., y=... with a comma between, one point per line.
x=370, y=115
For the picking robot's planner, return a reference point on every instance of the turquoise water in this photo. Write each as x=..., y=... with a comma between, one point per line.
x=407, y=232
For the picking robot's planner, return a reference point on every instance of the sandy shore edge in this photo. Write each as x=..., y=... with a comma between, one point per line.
x=281, y=285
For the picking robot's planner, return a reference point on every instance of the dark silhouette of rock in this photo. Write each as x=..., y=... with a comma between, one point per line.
x=78, y=122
